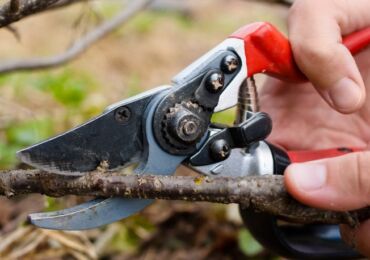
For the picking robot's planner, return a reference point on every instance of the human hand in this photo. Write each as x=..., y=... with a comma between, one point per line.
x=304, y=121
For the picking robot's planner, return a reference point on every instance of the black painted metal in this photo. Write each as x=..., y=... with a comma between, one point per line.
x=295, y=241
x=111, y=137
x=255, y=129
x=194, y=96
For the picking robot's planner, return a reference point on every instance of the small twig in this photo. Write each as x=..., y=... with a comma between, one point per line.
x=265, y=194
x=14, y=32
x=77, y=47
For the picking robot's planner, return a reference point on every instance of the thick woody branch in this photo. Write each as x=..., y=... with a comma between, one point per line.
x=265, y=194
x=77, y=47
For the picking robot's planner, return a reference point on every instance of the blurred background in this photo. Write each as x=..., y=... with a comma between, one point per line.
x=145, y=52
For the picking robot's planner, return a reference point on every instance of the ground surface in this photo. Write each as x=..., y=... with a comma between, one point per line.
x=144, y=53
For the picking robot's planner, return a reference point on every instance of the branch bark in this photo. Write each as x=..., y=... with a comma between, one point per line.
x=64, y=3
x=263, y=193
x=15, y=10
x=77, y=47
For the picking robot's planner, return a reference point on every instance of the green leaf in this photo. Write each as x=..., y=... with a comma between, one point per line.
x=247, y=244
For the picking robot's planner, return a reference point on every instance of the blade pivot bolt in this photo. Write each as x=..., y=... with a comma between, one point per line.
x=220, y=150
x=122, y=114
x=183, y=126
x=229, y=64
x=190, y=128
x=215, y=82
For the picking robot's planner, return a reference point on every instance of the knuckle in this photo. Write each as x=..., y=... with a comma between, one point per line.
x=312, y=51
x=302, y=6
x=297, y=10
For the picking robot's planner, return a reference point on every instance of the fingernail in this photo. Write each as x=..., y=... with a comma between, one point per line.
x=345, y=94
x=308, y=176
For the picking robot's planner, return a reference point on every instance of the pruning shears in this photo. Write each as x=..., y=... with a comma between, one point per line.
x=170, y=125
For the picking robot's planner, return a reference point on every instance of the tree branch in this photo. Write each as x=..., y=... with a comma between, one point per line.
x=79, y=46
x=15, y=10
x=63, y=3
x=264, y=193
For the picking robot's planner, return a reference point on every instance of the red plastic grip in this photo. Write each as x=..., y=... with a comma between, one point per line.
x=305, y=156
x=268, y=51
x=357, y=41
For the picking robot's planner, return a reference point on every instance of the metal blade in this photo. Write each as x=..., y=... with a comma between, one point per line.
x=109, y=137
x=92, y=214
x=100, y=212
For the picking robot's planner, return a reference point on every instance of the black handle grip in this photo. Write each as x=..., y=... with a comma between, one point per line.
x=295, y=241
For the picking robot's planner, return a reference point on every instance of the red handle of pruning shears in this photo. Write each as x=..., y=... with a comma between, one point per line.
x=305, y=156
x=268, y=51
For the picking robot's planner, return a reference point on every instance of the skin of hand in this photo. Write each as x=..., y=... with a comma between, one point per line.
x=331, y=111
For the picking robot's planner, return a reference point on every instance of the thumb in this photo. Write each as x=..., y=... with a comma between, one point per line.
x=340, y=183
x=315, y=31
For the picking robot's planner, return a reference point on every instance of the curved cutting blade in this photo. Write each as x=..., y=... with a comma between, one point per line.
x=117, y=141
x=89, y=215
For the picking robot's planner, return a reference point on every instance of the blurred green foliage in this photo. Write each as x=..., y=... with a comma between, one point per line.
x=134, y=85
x=52, y=204
x=68, y=88
x=145, y=21
x=247, y=244
x=7, y=155
x=21, y=134
x=130, y=233
x=28, y=132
